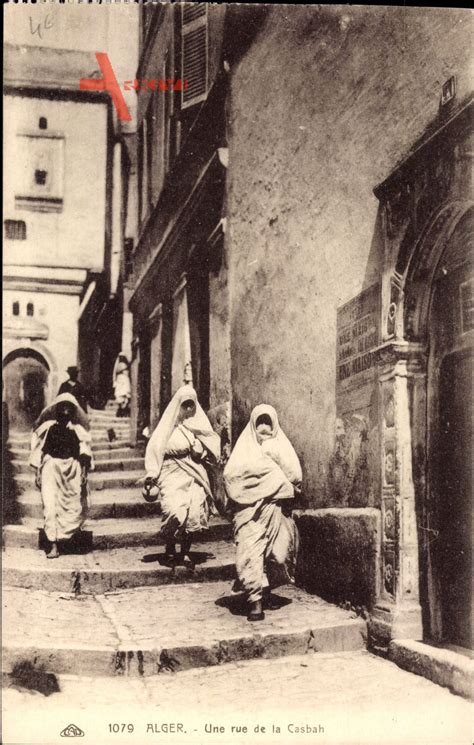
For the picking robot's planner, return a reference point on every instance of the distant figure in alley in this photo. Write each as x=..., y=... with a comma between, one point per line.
x=122, y=387
x=74, y=386
x=261, y=477
x=175, y=463
x=61, y=456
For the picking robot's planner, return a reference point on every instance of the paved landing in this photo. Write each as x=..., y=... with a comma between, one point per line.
x=352, y=698
x=148, y=630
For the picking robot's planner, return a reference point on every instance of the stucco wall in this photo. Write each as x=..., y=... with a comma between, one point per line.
x=73, y=237
x=348, y=92
x=59, y=314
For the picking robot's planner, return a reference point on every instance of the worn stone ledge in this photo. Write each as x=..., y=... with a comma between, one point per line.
x=442, y=666
x=340, y=553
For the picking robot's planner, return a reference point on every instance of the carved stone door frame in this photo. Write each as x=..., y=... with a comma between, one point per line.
x=421, y=203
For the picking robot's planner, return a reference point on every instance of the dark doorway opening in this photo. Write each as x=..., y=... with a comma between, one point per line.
x=25, y=379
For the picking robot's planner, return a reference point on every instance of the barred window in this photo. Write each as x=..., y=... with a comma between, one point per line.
x=15, y=230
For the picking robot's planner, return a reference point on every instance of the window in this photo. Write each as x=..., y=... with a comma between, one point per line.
x=15, y=230
x=193, y=53
x=30, y=309
x=40, y=177
x=16, y=308
x=43, y=123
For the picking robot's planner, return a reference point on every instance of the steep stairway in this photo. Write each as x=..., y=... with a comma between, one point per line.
x=116, y=607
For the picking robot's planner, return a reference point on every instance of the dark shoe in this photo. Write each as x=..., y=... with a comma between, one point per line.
x=186, y=560
x=170, y=552
x=270, y=602
x=256, y=611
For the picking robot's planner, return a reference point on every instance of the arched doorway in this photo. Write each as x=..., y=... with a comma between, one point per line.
x=25, y=380
x=449, y=444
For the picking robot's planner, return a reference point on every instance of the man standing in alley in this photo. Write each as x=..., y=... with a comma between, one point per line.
x=74, y=386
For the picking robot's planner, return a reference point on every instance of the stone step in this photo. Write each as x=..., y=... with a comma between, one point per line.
x=111, y=533
x=108, y=421
x=99, y=572
x=117, y=454
x=21, y=466
x=103, y=434
x=144, y=631
x=97, y=481
x=453, y=668
x=105, y=504
x=19, y=448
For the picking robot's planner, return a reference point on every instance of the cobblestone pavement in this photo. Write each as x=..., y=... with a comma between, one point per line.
x=350, y=697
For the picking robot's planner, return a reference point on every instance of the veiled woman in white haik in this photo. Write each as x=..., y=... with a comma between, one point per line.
x=261, y=475
x=175, y=459
x=61, y=456
x=122, y=386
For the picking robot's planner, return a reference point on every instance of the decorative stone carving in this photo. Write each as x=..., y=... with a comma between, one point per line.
x=389, y=578
x=389, y=411
x=389, y=464
x=389, y=524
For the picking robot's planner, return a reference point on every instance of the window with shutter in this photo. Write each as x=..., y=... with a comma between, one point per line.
x=194, y=45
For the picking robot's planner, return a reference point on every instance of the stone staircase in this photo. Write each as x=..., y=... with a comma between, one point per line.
x=118, y=608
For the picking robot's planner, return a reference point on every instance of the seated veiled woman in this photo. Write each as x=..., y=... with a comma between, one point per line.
x=262, y=474
x=61, y=456
x=175, y=458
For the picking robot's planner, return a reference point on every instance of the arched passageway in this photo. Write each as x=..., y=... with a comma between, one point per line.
x=25, y=381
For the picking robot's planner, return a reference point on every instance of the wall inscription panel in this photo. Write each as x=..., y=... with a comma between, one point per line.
x=354, y=469
x=358, y=335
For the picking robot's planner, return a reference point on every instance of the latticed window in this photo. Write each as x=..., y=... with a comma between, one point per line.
x=15, y=230
x=194, y=53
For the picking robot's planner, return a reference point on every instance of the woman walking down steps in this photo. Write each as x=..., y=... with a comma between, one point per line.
x=61, y=457
x=261, y=477
x=176, y=454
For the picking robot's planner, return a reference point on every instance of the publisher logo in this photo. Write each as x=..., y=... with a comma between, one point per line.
x=72, y=731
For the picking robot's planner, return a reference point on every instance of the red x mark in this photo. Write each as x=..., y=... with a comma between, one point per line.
x=107, y=83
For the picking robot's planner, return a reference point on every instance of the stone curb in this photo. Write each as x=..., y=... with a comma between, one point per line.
x=441, y=666
x=142, y=660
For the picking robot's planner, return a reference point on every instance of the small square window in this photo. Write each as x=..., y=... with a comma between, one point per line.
x=16, y=308
x=43, y=122
x=15, y=230
x=30, y=309
x=40, y=177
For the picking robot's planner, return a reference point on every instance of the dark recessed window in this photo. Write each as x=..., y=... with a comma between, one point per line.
x=43, y=122
x=15, y=230
x=40, y=177
x=16, y=308
x=30, y=309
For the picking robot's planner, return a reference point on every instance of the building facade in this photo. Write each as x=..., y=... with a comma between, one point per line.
x=304, y=214
x=65, y=188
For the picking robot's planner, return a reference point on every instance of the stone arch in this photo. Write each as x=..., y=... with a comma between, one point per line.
x=12, y=350
x=29, y=382
x=422, y=265
x=441, y=245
